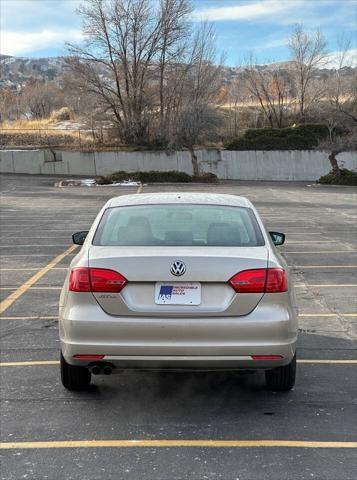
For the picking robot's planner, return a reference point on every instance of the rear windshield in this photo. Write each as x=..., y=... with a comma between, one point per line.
x=179, y=225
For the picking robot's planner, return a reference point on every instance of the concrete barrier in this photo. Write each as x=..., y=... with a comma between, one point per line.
x=227, y=165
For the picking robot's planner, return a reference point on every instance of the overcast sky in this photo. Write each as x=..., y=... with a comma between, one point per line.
x=40, y=27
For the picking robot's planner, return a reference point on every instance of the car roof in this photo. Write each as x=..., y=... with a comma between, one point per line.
x=177, y=197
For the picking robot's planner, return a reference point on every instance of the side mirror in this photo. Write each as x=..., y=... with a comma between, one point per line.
x=79, y=237
x=277, y=237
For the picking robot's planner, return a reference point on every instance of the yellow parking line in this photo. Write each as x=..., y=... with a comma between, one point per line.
x=175, y=443
x=56, y=362
x=5, y=304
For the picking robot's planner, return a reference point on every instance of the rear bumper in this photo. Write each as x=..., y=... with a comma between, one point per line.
x=185, y=362
x=160, y=343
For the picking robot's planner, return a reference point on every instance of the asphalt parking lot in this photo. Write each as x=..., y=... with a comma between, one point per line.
x=178, y=426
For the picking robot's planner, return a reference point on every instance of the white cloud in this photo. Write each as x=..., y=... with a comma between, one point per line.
x=250, y=11
x=333, y=59
x=20, y=43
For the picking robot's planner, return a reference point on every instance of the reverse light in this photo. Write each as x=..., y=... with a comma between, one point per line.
x=96, y=280
x=260, y=280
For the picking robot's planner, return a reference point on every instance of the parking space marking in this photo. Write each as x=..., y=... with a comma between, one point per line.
x=322, y=252
x=328, y=362
x=303, y=242
x=37, y=254
x=337, y=314
x=29, y=268
x=33, y=288
x=39, y=238
x=56, y=362
x=325, y=266
x=29, y=364
x=20, y=245
x=175, y=443
x=5, y=304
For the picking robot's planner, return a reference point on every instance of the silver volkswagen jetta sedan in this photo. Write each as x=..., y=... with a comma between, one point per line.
x=178, y=281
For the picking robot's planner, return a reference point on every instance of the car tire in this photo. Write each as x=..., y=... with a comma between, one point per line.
x=281, y=379
x=73, y=377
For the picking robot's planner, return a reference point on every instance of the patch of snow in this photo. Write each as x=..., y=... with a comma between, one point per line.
x=124, y=183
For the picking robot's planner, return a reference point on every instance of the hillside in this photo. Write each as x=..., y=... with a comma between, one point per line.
x=16, y=72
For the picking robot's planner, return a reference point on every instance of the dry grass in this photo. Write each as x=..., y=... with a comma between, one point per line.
x=25, y=125
x=40, y=133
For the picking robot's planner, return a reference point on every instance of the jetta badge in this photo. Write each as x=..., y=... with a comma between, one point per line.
x=178, y=268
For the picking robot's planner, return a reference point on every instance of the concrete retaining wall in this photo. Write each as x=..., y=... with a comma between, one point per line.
x=227, y=165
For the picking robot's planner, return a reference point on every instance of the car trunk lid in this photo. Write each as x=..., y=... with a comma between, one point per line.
x=208, y=267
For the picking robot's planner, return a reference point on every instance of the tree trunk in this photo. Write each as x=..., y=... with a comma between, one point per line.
x=194, y=161
x=333, y=161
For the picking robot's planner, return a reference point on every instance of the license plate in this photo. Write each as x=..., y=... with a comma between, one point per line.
x=178, y=293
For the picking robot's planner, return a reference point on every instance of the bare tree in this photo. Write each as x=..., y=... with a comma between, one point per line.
x=195, y=115
x=148, y=68
x=41, y=99
x=342, y=87
x=270, y=88
x=338, y=144
x=11, y=107
x=173, y=43
x=308, y=51
x=122, y=40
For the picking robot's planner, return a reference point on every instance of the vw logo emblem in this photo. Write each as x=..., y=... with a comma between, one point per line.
x=178, y=268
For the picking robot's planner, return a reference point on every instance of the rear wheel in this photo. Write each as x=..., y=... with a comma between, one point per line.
x=73, y=377
x=281, y=379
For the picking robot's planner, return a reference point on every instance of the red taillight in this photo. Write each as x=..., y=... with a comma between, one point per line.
x=277, y=281
x=96, y=280
x=249, y=281
x=103, y=280
x=79, y=280
x=260, y=280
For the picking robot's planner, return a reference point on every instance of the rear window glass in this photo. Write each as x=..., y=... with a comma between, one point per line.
x=179, y=225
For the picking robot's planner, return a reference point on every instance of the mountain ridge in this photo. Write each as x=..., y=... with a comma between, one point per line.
x=17, y=72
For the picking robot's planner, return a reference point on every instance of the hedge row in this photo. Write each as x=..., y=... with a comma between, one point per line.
x=153, y=176
x=345, y=177
x=301, y=137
